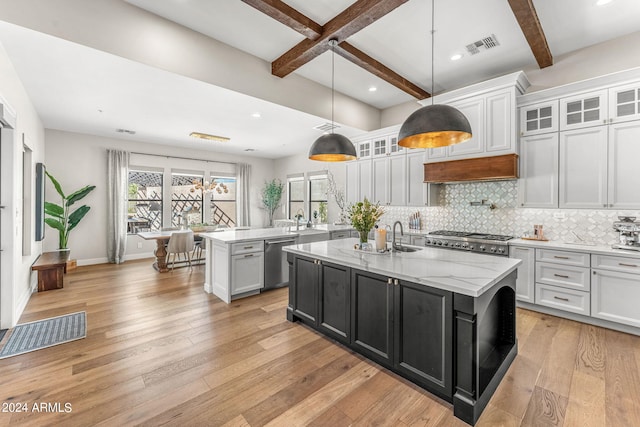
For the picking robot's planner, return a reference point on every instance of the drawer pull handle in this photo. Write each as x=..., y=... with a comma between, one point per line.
x=561, y=275
x=248, y=255
x=561, y=257
x=562, y=299
x=248, y=247
x=626, y=265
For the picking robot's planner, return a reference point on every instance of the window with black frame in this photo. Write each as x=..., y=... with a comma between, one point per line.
x=144, y=207
x=186, y=201
x=223, y=200
x=318, y=185
x=295, y=195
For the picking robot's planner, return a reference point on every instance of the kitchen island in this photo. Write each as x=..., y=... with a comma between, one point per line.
x=235, y=259
x=444, y=320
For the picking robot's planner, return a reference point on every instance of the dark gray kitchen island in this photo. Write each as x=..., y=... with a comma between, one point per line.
x=444, y=320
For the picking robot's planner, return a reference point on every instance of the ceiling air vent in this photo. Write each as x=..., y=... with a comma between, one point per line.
x=327, y=127
x=483, y=44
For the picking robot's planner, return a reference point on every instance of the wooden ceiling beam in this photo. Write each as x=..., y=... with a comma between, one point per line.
x=527, y=18
x=378, y=69
x=348, y=22
x=285, y=14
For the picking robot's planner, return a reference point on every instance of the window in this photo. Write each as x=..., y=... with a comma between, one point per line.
x=295, y=190
x=145, y=201
x=186, y=202
x=223, y=201
x=318, y=197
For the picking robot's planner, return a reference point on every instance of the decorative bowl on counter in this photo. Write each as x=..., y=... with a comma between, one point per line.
x=203, y=228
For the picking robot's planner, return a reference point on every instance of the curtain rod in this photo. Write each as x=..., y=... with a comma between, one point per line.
x=183, y=158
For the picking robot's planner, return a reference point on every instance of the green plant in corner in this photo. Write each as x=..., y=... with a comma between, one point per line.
x=271, y=195
x=60, y=216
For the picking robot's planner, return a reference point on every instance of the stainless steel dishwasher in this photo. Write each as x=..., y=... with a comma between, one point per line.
x=276, y=269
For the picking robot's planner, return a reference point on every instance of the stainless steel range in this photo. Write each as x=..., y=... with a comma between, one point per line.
x=492, y=244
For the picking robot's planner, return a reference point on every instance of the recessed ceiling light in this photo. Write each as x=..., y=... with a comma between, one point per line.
x=603, y=2
x=373, y=89
x=209, y=137
x=456, y=57
x=256, y=115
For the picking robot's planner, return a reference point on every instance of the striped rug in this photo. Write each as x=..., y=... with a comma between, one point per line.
x=45, y=333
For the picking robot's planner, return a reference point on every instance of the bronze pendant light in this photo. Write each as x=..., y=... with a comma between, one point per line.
x=434, y=125
x=332, y=147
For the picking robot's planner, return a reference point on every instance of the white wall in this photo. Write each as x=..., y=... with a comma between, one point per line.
x=17, y=281
x=76, y=160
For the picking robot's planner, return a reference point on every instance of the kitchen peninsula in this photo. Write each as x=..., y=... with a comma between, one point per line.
x=237, y=261
x=445, y=320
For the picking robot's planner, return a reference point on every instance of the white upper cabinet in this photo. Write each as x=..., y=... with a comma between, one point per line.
x=539, y=118
x=624, y=152
x=364, y=149
x=624, y=103
x=397, y=193
x=538, y=183
x=387, y=145
x=584, y=110
x=473, y=109
x=583, y=168
x=501, y=116
x=364, y=180
x=352, y=181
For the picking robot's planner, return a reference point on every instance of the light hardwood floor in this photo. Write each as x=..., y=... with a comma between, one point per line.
x=160, y=351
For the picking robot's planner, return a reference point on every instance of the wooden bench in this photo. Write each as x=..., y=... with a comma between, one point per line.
x=51, y=267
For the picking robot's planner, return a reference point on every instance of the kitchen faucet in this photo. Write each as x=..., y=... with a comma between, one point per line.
x=394, y=246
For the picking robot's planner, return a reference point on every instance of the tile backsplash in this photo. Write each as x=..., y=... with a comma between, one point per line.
x=456, y=213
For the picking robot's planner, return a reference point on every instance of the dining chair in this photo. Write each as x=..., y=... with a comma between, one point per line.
x=180, y=242
x=198, y=242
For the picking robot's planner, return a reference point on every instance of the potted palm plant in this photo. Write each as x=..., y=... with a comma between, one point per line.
x=60, y=216
x=271, y=195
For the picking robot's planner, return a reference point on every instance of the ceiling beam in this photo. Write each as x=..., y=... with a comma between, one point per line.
x=348, y=22
x=285, y=14
x=527, y=18
x=378, y=69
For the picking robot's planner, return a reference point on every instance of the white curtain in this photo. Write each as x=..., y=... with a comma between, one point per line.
x=243, y=181
x=117, y=193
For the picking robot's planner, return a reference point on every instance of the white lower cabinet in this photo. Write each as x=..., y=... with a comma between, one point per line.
x=615, y=291
x=525, y=282
x=247, y=272
x=562, y=298
x=563, y=280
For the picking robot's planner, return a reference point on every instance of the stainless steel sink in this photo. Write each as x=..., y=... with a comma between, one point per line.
x=406, y=249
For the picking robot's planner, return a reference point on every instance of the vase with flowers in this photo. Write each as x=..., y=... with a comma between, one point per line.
x=363, y=216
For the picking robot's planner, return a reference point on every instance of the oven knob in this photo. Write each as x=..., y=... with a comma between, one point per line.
x=482, y=248
x=465, y=246
x=493, y=249
x=439, y=242
x=445, y=243
x=457, y=244
x=500, y=250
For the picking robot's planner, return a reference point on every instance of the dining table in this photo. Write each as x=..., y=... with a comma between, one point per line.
x=161, y=237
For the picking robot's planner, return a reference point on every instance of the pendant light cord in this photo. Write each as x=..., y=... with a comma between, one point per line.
x=333, y=70
x=433, y=32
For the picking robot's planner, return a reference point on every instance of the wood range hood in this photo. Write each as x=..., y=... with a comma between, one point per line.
x=494, y=168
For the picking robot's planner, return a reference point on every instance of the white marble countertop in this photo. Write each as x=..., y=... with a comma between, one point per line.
x=235, y=236
x=576, y=247
x=457, y=271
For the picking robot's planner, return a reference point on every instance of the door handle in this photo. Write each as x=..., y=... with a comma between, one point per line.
x=561, y=275
x=622, y=264
x=562, y=299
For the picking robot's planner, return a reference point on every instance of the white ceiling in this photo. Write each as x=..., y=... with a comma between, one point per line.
x=68, y=83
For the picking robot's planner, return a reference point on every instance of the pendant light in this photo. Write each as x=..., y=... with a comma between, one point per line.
x=434, y=125
x=332, y=147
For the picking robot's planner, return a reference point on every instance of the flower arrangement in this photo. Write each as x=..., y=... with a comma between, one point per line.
x=363, y=216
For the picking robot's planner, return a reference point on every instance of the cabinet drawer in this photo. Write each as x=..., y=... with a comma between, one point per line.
x=563, y=257
x=563, y=275
x=340, y=235
x=563, y=299
x=246, y=247
x=616, y=263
